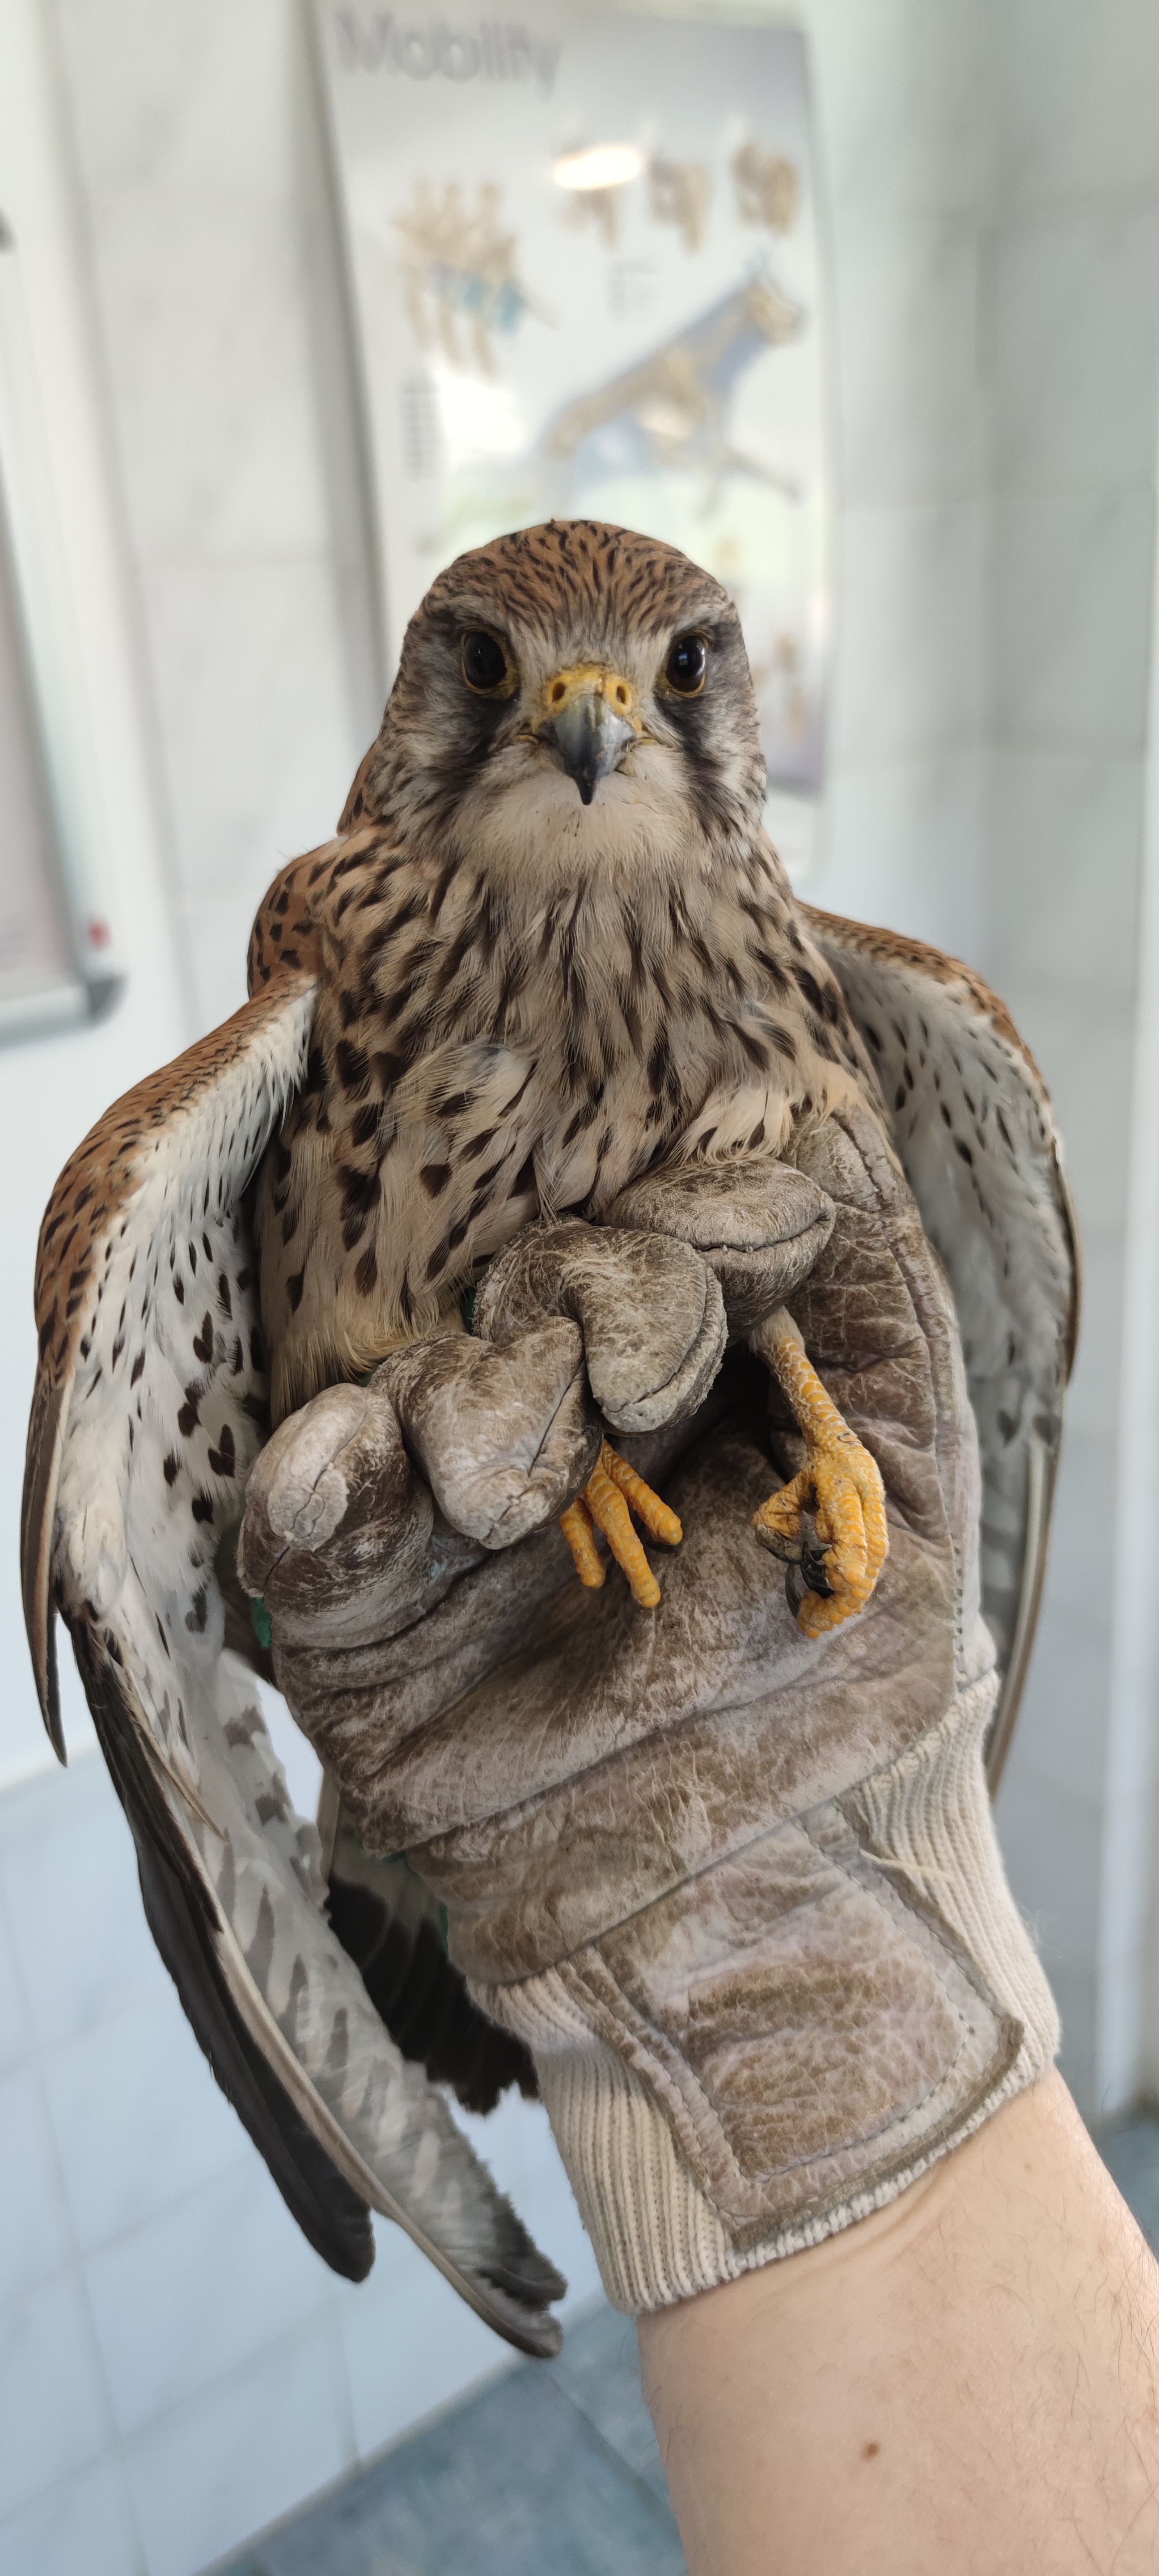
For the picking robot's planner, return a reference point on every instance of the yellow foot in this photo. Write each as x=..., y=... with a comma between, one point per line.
x=603, y=1505
x=841, y=1483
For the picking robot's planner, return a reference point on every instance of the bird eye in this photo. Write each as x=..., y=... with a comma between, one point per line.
x=686, y=665
x=484, y=661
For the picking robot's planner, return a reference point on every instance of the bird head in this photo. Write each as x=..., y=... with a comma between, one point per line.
x=571, y=696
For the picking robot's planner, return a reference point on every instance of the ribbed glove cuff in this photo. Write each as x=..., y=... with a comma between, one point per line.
x=678, y=2197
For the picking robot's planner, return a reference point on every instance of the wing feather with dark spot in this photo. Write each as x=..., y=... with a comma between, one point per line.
x=146, y=1421
x=973, y=1126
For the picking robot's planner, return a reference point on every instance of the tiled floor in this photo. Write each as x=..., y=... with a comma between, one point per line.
x=549, y=2472
x=546, y=2472
x=135, y=2198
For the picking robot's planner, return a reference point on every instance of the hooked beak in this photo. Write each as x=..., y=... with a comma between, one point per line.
x=587, y=717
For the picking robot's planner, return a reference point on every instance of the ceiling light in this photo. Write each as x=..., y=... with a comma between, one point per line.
x=603, y=165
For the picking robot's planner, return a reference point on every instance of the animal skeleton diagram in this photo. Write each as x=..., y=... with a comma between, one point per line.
x=460, y=268
x=768, y=188
x=530, y=1296
x=673, y=409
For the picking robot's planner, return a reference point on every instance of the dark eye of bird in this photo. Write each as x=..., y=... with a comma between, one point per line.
x=484, y=661
x=686, y=665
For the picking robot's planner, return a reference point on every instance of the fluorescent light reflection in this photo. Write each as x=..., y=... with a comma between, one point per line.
x=603, y=165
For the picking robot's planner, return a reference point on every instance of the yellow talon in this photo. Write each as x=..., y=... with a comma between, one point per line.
x=658, y=1520
x=603, y=1505
x=839, y=1481
x=576, y=1524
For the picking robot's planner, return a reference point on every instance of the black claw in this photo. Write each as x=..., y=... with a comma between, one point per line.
x=795, y=1588
x=813, y=1569
x=807, y=1576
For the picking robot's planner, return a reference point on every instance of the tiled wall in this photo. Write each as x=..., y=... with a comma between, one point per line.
x=175, y=2366
x=1072, y=336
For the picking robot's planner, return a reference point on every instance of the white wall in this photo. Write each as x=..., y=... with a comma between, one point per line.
x=898, y=100
x=198, y=155
x=51, y=1090
x=1072, y=334
x=175, y=2368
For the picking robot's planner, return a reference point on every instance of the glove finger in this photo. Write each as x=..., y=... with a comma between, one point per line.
x=336, y=1467
x=504, y=1433
x=337, y=1523
x=651, y=1314
x=759, y=1225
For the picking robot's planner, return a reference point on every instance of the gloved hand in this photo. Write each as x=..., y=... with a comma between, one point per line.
x=483, y=1444
x=504, y=1429
x=736, y=1887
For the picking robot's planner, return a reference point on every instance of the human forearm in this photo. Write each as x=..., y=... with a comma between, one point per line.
x=967, y=2381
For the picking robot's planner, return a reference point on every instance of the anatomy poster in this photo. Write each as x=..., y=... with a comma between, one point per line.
x=586, y=279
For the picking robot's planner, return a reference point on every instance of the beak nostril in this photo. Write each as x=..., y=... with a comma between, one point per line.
x=586, y=723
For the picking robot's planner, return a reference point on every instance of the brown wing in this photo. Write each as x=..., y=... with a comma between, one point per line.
x=974, y=1130
x=148, y=1413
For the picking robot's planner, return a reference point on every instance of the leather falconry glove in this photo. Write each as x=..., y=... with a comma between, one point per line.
x=731, y=1877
